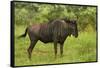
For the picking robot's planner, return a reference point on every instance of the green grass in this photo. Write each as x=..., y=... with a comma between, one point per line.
x=81, y=49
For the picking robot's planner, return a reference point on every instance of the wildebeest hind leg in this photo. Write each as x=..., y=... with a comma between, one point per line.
x=55, y=48
x=32, y=45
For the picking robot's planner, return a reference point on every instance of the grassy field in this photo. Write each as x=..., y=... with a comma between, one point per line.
x=81, y=49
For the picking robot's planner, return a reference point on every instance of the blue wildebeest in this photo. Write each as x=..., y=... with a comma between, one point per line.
x=55, y=31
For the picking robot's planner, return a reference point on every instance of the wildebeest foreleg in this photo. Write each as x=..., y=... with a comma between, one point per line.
x=32, y=45
x=61, y=49
x=55, y=48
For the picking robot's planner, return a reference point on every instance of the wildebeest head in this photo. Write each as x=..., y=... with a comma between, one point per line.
x=73, y=27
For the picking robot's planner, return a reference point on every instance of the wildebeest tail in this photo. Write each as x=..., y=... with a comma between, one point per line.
x=24, y=35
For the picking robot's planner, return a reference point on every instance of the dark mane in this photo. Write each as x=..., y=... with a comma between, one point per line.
x=65, y=19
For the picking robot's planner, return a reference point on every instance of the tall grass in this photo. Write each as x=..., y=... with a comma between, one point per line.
x=81, y=49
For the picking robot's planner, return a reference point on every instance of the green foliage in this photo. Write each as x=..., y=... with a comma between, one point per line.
x=29, y=13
